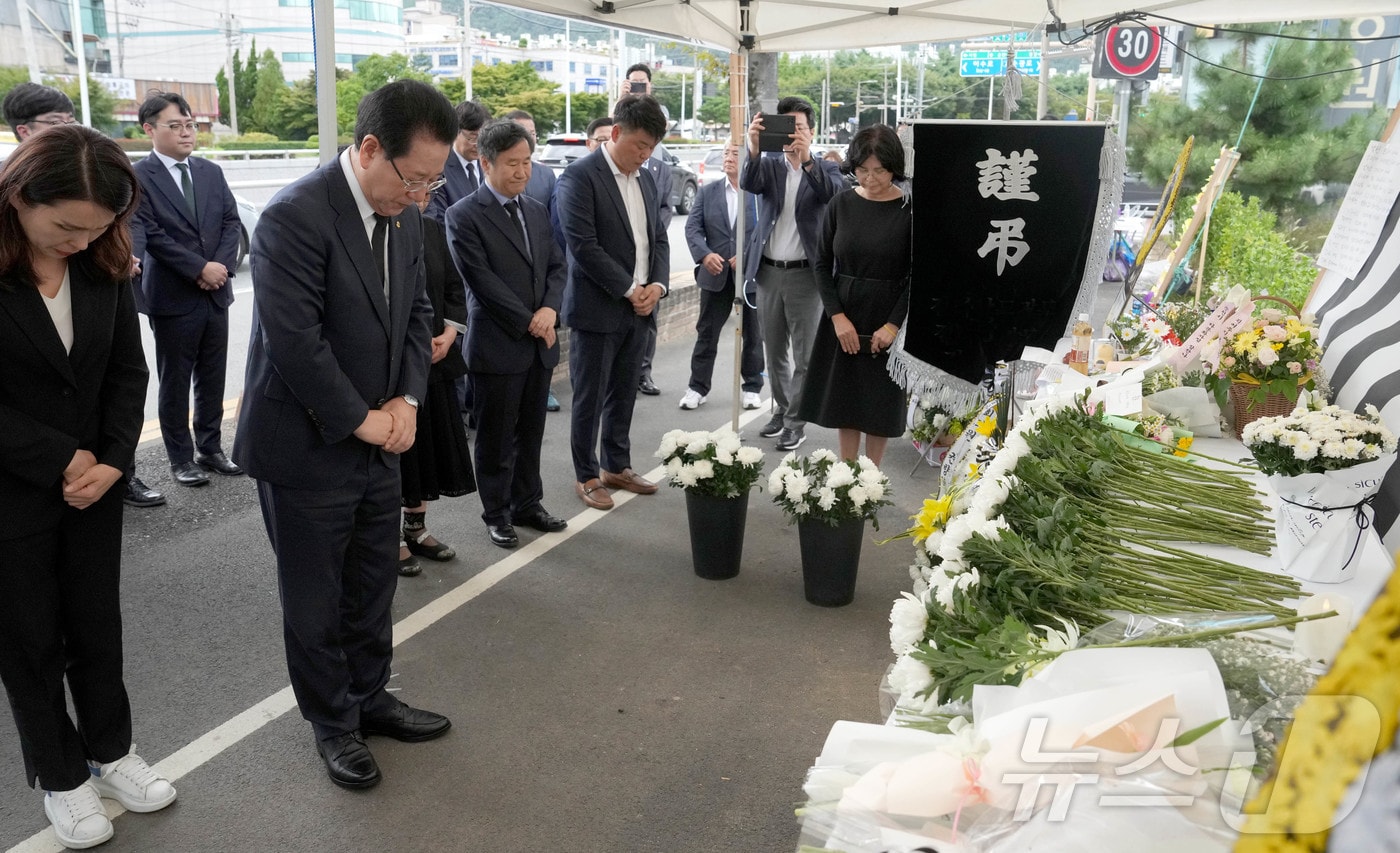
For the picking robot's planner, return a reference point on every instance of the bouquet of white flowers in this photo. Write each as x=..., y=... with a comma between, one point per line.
x=822, y=487
x=1326, y=464
x=710, y=463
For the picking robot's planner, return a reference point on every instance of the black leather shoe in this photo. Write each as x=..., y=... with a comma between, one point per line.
x=647, y=387
x=188, y=474
x=407, y=724
x=538, y=519
x=503, y=535
x=772, y=428
x=140, y=494
x=348, y=761
x=219, y=464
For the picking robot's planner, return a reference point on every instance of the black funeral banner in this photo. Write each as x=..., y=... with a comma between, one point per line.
x=1012, y=221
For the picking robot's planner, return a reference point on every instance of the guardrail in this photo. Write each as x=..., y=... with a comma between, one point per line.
x=267, y=154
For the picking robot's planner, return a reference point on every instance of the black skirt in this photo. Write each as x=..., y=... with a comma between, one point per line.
x=439, y=464
x=855, y=391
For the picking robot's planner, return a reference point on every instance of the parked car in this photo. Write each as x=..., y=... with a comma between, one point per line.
x=247, y=220
x=712, y=165
x=561, y=150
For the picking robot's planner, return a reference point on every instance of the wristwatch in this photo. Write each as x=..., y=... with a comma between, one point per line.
x=410, y=399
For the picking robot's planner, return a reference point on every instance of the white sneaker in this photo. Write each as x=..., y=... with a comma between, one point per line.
x=750, y=400
x=130, y=781
x=77, y=816
x=692, y=400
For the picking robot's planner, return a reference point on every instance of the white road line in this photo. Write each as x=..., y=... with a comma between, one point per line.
x=204, y=748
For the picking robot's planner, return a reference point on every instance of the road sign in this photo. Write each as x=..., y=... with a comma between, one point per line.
x=992, y=63
x=1128, y=53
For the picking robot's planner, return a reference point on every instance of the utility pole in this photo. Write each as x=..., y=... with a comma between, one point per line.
x=885, y=97
x=467, y=50
x=923, y=63
x=80, y=51
x=117, y=23
x=28, y=35
x=569, y=84
x=230, y=36
x=1042, y=97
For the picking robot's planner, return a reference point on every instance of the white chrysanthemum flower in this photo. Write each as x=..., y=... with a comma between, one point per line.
x=723, y=457
x=801, y=508
x=840, y=474
x=908, y=621
x=749, y=455
x=669, y=442
x=971, y=577
x=826, y=497
x=775, y=480
x=858, y=495
x=821, y=454
x=686, y=475
x=933, y=543
x=789, y=459
x=955, y=533
x=874, y=491
x=867, y=464
x=796, y=486
x=1305, y=449
x=697, y=444
x=868, y=477
x=909, y=677
x=704, y=469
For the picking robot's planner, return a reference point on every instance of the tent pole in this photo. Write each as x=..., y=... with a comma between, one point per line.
x=323, y=25
x=738, y=134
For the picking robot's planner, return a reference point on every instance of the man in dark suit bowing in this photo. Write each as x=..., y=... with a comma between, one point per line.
x=337, y=364
x=709, y=232
x=189, y=228
x=504, y=248
x=461, y=171
x=619, y=263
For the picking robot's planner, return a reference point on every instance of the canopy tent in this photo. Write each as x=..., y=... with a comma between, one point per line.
x=794, y=25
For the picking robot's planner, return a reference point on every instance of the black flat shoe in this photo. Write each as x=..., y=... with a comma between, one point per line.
x=188, y=474
x=436, y=551
x=503, y=535
x=219, y=464
x=139, y=494
x=407, y=724
x=541, y=521
x=349, y=762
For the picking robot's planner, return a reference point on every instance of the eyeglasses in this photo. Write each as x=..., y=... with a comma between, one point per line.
x=601, y=139
x=416, y=186
x=470, y=135
x=177, y=126
x=52, y=122
x=877, y=172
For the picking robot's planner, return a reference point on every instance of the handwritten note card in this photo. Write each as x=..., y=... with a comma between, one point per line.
x=1364, y=211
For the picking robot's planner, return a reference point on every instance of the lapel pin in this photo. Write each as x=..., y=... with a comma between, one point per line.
x=397, y=224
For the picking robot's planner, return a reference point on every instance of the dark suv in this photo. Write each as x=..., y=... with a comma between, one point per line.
x=559, y=151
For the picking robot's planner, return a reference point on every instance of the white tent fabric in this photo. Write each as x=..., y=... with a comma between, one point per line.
x=794, y=25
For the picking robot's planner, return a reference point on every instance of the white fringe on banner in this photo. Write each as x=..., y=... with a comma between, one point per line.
x=939, y=387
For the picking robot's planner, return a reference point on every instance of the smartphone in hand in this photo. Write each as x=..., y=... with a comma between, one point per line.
x=777, y=132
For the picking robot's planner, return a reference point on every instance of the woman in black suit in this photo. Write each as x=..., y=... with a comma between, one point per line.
x=439, y=464
x=72, y=388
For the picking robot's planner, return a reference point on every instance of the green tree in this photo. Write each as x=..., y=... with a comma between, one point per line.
x=715, y=109
x=454, y=88
x=221, y=83
x=1284, y=144
x=377, y=69
x=268, y=95
x=295, y=114
x=245, y=82
x=100, y=100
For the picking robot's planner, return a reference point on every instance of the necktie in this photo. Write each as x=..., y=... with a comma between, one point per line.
x=471, y=177
x=377, y=246
x=187, y=187
x=513, y=208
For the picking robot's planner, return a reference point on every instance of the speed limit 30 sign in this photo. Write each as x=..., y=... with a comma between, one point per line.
x=1128, y=53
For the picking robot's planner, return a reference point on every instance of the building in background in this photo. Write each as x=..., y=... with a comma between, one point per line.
x=50, y=32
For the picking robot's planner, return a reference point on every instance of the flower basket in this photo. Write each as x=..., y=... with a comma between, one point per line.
x=1248, y=410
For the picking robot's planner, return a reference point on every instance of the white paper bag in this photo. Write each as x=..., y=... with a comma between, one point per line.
x=1325, y=531
x=1194, y=407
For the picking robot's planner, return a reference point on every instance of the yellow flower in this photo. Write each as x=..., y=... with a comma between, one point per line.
x=1183, y=444
x=932, y=517
x=986, y=426
x=972, y=470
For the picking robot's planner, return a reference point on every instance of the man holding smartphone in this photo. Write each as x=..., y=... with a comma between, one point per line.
x=792, y=190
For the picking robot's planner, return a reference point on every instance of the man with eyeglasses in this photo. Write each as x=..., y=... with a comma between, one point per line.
x=462, y=169
x=342, y=329
x=188, y=226
x=28, y=109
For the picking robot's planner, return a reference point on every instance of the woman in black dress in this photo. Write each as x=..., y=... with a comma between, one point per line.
x=862, y=271
x=439, y=464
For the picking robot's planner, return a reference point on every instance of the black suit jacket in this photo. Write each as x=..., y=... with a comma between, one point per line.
x=447, y=293
x=175, y=248
x=458, y=186
x=602, y=253
x=506, y=285
x=324, y=350
x=53, y=403
x=766, y=177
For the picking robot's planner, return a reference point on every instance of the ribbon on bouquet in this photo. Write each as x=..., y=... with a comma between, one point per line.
x=1363, y=522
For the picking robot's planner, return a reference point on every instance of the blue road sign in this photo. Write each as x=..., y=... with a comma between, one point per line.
x=992, y=63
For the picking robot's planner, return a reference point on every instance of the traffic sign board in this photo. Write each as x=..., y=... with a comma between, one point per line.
x=1128, y=53
x=992, y=63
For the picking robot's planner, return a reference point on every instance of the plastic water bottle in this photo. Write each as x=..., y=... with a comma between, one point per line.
x=1083, y=334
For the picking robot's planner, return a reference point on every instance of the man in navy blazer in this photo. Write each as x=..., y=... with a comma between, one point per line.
x=461, y=170
x=189, y=230
x=793, y=189
x=337, y=363
x=619, y=264
x=504, y=249
x=709, y=232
